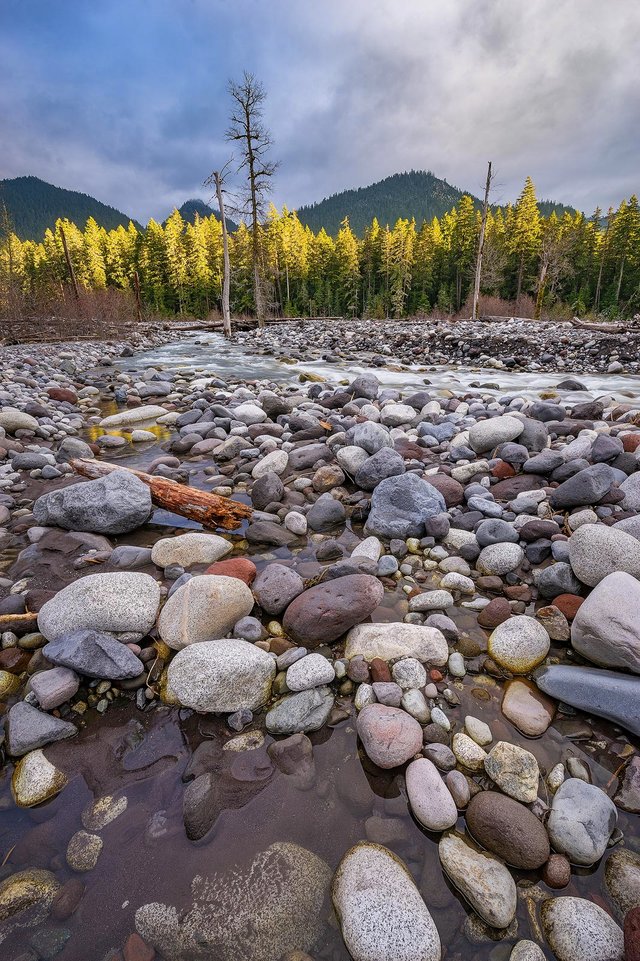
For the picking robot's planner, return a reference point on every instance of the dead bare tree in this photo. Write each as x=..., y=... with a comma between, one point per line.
x=248, y=131
x=217, y=179
x=483, y=227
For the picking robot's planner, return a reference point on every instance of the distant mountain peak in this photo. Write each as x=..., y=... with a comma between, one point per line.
x=196, y=207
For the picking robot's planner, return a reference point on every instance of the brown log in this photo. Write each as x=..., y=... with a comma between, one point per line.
x=603, y=328
x=207, y=509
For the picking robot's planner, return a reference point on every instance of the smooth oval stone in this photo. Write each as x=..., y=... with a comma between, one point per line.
x=606, y=694
x=581, y=821
x=389, y=735
x=380, y=910
x=514, y=770
x=529, y=710
x=519, y=644
x=508, y=829
x=526, y=951
x=429, y=798
x=606, y=629
x=323, y=613
x=579, y=930
x=483, y=880
x=25, y=890
x=596, y=551
x=622, y=880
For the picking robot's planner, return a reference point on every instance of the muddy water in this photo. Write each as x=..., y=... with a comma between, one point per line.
x=144, y=755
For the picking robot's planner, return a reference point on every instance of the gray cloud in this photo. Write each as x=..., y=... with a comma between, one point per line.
x=357, y=91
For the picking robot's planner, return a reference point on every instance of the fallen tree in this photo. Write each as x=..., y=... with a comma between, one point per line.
x=207, y=509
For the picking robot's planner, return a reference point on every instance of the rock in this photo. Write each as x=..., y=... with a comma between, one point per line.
x=529, y=710
x=327, y=512
x=596, y=551
x=240, y=567
x=514, y=770
x=431, y=601
x=268, y=532
x=557, y=579
x=392, y=641
x=526, y=951
x=606, y=694
x=221, y=676
x=94, y=654
x=384, y=463
x=35, y=780
x=554, y=623
x=380, y=910
x=477, y=730
x=115, y=504
x=500, y=558
x=205, y=607
x=468, y=753
x=409, y=674
x=581, y=821
x=296, y=523
x=628, y=794
x=83, y=851
x=429, y=798
x=496, y=612
x=189, y=549
x=267, y=489
x=276, y=586
x=12, y=420
x=28, y=894
x=632, y=935
x=585, y=488
x=519, y=644
x=103, y=811
x=508, y=829
x=135, y=949
x=369, y=436
x=54, y=687
x=121, y=602
x=314, y=670
x=577, y=929
x=293, y=756
x=389, y=735
x=288, y=883
x=486, y=435
x=28, y=729
x=606, y=630
x=557, y=872
x=631, y=490
x=276, y=461
x=483, y=880
x=622, y=881
x=301, y=712
x=401, y=505
x=370, y=547
x=147, y=414
x=323, y=613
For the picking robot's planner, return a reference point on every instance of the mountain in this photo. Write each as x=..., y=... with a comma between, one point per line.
x=418, y=194
x=34, y=205
x=192, y=207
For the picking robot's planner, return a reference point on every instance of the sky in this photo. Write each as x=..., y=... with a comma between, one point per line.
x=126, y=100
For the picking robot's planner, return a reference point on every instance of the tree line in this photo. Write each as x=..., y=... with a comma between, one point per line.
x=588, y=264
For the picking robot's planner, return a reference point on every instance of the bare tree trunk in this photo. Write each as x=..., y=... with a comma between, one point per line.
x=520, y=273
x=596, y=299
x=619, y=287
x=542, y=283
x=67, y=255
x=483, y=226
x=136, y=287
x=226, y=270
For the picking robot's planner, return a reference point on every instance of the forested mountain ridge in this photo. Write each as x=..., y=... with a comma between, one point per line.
x=414, y=195
x=195, y=207
x=33, y=205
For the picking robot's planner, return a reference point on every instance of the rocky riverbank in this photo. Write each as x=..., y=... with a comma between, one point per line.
x=509, y=344
x=392, y=716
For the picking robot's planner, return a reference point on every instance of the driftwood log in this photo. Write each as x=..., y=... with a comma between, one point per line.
x=207, y=509
x=603, y=328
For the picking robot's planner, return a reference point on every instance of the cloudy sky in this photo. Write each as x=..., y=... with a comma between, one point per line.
x=126, y=99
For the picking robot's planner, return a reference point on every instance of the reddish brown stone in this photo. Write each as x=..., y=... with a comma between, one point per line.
x=63, y=394
x=569, y=604
x=630, y=442
x=451, y=489
x=534, y=530
x=240, y=567
x=135, y=949
x=278, y=645
x=14, y=660
x=380, y=670
x=490, y=582
x=518, y=592
x=632, y=934
x=496, y=612
x=435, y=675
x=67, y=899
x=409, y=450
x=557, y=871
x=502, y=470
x=508, y=489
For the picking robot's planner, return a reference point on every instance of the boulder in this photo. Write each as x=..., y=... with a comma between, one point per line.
x=607, y=694
x=205, y=607
x=483, y=880
x=120, y=602
x=577, y=929
x=389, y=735
x=508, y=829
x=323, y=613
x=380, y=910
x=588, y=486
x=401, y=505
x=581, y=821
x=392, y=641
x=221, y=676
x=115, y=504
x=596, y=551
x=606, y=629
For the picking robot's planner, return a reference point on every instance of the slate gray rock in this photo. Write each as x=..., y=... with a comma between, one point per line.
x=95, y=655
x=301, y=712
x=326, y=513
x=581, y=821
x=596, y=551
x=606, y=629
x=28, y=729
x=606, y=694
x=276, y=586
x=115, y=504
x=401, y=505
x=384, y=463
x=588, y=486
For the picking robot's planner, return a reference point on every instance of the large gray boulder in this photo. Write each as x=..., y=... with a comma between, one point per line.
x=205, y=607
x=114, y=504
x=581, y=821
x=401, y=505
x=121, y=602
x=94, y=654
x=588, y=486
x=595, y=551
x=607, y=694
x=221, y=676
x=606, y=629
x=485, y=435
x=28, y=729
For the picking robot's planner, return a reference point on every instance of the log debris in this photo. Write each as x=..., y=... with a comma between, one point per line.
x=207, y=509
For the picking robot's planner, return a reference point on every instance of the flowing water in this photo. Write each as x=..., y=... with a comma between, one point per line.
x=143, y=755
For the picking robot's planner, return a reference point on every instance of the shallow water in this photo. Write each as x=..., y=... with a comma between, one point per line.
x=143, y=755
